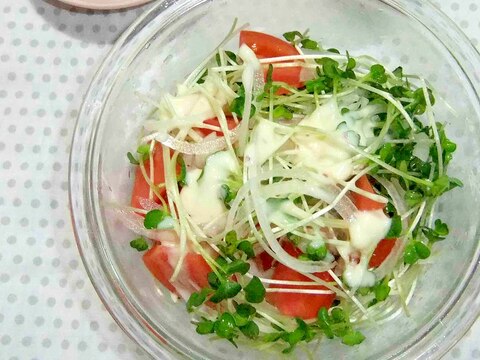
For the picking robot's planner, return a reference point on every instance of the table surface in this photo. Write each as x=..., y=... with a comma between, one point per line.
x=48, y=53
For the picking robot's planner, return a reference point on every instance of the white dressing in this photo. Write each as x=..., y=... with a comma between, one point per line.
x=357, y=275
x=367, y=228
x=266, y=139
x=202, y=195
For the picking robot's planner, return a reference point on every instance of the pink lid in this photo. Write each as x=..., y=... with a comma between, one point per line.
x=105, y=4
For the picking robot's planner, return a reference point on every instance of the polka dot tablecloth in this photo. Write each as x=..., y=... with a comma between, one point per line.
x=48, y=308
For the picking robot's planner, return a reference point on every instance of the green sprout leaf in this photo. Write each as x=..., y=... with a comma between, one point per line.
x=140, y=244
x=132, y=159
x=395, y=227
x=154, y=218
x=205, y=327
x=250, y=330
x=353, y=338
x=254, y=291
x=227, y=289
x=282, y=112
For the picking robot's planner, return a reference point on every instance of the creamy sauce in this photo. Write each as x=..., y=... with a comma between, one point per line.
x=363, y=121
x=266, y=139
x=202, y=195
x=367, y=228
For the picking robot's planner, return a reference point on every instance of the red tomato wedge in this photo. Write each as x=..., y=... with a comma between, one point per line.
x=198, y=269
x=156, y=260
x=231, y=124
x=381, y=252
x=385, y=246
x=305, y=306
x=267, y=46
x=141, y=189
x=361, y=202
x=264, y=261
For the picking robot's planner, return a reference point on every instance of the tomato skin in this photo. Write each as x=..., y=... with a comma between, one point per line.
x=383, y=249
x=198, y=269
x=231, y=124
x=304, y=306
x=264, y=261
x=361, y=202
x=141, y=189
x=267, y=46
x=156, y=260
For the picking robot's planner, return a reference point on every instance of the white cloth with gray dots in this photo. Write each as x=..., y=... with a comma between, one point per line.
x=48, y=308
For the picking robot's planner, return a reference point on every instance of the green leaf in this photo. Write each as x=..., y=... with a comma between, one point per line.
x=197, y=299
x=225, y=326
x=338, y=315
x=443, y=184
x=282, y=112
x=441, y=228
x=377, y=74
x=132, y=159
x=309, y=44
x=398, y=72
x=213, y=280
x=410, y=255
x=316, y=253
x=246, y=310
x=254, y=291
x=227, y=289
x=181, y=178
x=231, y=237
x=333, y=50
x=237, y=266
x=205, y=327
x=140, y=244
x=353, y=338
x=413, y=198
x=250, y=330
x=382, y=290
x=247, y=248
x=395, y=227
x=144, y=150
x=153, y=218
x=291, y=35
x=422, y=250
x=351, y=63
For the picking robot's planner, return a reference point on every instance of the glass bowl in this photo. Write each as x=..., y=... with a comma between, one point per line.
x=161, y=48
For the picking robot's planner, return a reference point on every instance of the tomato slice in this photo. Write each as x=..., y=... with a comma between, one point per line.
x=267, y=46
x=305, y=306
x=156, y=260
x=264, y=261
x=141, y=189
x=361, y=202
x=231, y=124
x=385, y=246
x=198, y=269
x=383, y=249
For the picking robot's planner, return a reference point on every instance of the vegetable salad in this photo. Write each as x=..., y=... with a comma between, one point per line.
x=285, y=192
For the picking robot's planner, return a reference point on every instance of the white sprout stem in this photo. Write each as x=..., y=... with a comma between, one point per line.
x=433, y=125
x=152, y=172
x=299, y=291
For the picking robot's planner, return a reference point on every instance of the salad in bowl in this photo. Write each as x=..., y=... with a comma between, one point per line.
x=284, y=192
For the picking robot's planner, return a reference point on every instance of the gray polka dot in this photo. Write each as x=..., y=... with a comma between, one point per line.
x=43, y=223
x=476, y=352
x=80, y=284
x=41, y=112
x=45, y=281
x=80, y=79
x=39, y=166
x=18, y=94
x=11, y=76
x=11, y=240
x=102, y=347
x=57, y=323
x=94, y=326
x=11, y=298
x=25, y=279
x=57, y=61
x=17, y=259
x=39, y=321
x=28, y=184
x=7, y=165
x=66, y=243
x=56, y=262
x=12, y=128
x=46, y=343
x=19, y=319
x=4, y=58
x=67, y=44
x=53, y=204
x=18, y=147
x=29, y=77
x=68, y=303
x=96, y=28
x=57, y=166
x=455, y=6
x=5, y=220
x=64, y=132
x=46, y=78
x=4, y=278
x=32, y=300
x=35, y=203
x=37, y=261
x=455, y=353
x=73, y=264
x=27, y=341
x=17, y=202
x=62, y=282
x=34, y=43
x=75, y=324
x=65, y=344
x=29, y=130
x=86, y=304
x=46, y=185
x=60, y=224
x=51, y=302
x=5, y=340
x=40, y=60
x=51, y=44
x=113, y=327
x=49, y=243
